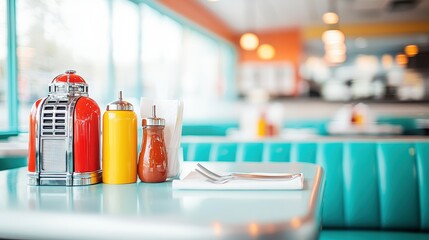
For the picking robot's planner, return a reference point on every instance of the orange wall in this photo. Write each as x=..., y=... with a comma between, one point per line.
x=198, y=14
x=287, y=43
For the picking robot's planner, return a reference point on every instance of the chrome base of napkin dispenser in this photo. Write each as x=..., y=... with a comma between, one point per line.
x=62, y=179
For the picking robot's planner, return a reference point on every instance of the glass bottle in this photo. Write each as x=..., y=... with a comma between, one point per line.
x=153, y=160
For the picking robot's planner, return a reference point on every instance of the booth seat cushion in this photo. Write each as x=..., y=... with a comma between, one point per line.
x=369, y=235
x=12, y=162
x=369, y=184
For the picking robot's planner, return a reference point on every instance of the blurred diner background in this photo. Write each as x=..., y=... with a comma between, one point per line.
x=341, y=86
x=244, y=68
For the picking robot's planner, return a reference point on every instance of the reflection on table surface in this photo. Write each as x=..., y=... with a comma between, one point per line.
x=157, y=203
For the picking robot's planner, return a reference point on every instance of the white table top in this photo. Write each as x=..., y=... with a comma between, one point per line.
x=151, y=211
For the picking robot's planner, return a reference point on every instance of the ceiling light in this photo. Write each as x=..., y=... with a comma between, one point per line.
x=332, y=36
x=335, y=51
x=335, y=46
x=249, y=41
x=335, y=59
x=266, y=51
x=330, y=18
x=411, y=50
x=387, y=61
x=401, y=59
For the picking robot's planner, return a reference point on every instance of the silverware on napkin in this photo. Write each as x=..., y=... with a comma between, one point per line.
x=223, y=178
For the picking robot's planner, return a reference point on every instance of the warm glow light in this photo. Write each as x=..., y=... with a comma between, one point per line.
x=335, y=47
x=295, y=222
x=411, y=50
x=330, y=18
x=249, y=41
x=332, y=36
x=217, y=228
x=335, y=51
x=253, y=229
x=266, y=51
x=401, y=59
x=387, y=61
x=335, y=59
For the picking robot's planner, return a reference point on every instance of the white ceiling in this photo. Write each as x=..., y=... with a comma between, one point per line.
x=262, y=15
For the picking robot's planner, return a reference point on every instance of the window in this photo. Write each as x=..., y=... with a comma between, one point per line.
x=4, y=121
x=125, y=19
x=161, y=54
x=114, y=45
x=51, y=39
x=201, y=81
x=179, y=61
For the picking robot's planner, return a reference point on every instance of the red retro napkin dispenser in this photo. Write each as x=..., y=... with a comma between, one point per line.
x=64, y=144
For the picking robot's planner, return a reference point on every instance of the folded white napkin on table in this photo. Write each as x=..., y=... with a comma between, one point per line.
x=195, y=181
x=172, y=112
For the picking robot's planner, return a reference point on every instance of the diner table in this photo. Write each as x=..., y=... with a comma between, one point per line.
x=157, y=211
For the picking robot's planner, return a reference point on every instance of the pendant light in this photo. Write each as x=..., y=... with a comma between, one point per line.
x=330, y=18
x=333, y=38
x=411, y=50
x=266, y=52
x=249, y=41
x=401, y=59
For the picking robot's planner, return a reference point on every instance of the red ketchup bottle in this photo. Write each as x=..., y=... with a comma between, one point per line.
x=153, y=160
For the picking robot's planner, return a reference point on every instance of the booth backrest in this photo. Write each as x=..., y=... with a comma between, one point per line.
x=369, y=185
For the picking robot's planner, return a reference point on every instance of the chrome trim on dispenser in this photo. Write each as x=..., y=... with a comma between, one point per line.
x=68, y=89
x=58, y=179
x=34, y=178
x=70, y=129
x=87, y=178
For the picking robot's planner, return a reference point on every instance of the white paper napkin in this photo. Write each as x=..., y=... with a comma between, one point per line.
x=194, y=181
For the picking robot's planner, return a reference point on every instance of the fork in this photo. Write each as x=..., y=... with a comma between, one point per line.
x=213, y=180
x=225, y=180
x=216, y=176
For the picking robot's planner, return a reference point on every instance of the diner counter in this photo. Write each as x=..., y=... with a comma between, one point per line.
x=151, y=211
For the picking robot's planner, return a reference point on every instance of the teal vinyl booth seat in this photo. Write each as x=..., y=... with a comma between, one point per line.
x=12, y=162
x=374, y=189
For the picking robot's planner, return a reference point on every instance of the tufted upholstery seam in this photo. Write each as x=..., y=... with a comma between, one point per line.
x=344, y=195
x=416, y=172
x=423, y=188
x=377, y=171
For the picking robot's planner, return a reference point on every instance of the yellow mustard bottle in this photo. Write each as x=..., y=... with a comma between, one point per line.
x=262, y=126
x=119, y=159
